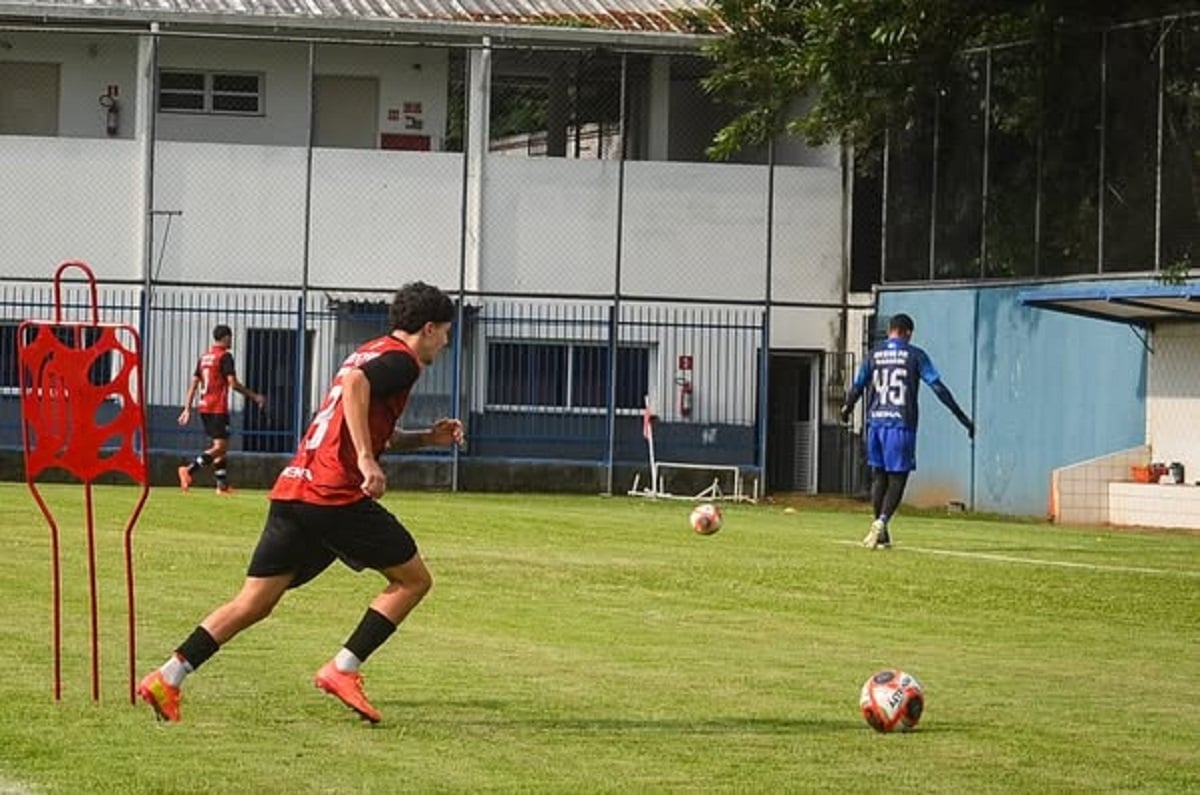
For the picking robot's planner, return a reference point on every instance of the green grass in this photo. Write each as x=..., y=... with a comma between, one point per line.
x=583, y=644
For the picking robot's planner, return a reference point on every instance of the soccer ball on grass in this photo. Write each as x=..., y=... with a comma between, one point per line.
x=892, y=700
x=705, y=519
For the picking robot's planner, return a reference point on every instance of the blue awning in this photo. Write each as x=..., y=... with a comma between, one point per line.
x=1136, y=304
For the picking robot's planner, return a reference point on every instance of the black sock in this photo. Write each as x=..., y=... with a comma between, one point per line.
x=896, y=481
x=370, y=634
x=198, y=647
x=220, y=473
x=202, y=460
x=879, y=480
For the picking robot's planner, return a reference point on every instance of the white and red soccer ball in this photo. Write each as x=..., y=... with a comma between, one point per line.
x=705, y=519
x=892, y=700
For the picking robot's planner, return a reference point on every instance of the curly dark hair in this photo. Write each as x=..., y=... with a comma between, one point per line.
x=418, y=303
x=221, y=331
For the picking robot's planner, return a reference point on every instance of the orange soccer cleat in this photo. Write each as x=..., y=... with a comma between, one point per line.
x=347, y=687
x=159, y=694
x=225, y=491
x=185, y=478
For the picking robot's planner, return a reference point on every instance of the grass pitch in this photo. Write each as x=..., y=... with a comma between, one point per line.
x=576, y=644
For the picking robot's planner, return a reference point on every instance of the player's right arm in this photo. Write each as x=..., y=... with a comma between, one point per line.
x=856, y=389
x=186, y=414
x=356, y=406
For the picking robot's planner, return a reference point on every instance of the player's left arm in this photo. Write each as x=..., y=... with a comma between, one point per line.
x=394, y=373
x=236, y=385
x=443, y=432
x=933, y=378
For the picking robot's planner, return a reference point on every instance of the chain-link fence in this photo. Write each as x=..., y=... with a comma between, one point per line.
x=562, y=197
x=1080, y=160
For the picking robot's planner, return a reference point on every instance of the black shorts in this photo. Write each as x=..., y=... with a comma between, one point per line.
x=304, y=539
x=216, y=426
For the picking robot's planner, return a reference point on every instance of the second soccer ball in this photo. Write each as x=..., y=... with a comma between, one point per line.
x=706, y=519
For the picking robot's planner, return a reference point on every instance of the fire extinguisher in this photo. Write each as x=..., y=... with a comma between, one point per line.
x=112, y=116
x=685, y=399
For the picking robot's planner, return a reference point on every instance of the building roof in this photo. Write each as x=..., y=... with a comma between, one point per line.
x=1136, y=304
x=683, y=18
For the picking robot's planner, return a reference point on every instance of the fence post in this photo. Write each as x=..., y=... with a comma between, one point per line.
x=301, y=358
x=614, y=318
x=765, y=351
x=611, y=411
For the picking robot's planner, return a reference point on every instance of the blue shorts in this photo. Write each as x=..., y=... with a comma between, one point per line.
x=891, y=448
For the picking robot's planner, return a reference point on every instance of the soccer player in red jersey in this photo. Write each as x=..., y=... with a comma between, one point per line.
x=323, y=507
x=213, y=377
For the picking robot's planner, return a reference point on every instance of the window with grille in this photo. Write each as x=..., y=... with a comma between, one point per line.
x=238, y=94
x=572, y=376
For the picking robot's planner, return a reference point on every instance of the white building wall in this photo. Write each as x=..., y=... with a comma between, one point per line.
x=73, y=198
x=284, y=67
x=549, y=225
x=405, y=75
x=380, y=219
x=695, y=230
x=88, y=64
x=242, y=216
x=807, y=244
x=1172, y=401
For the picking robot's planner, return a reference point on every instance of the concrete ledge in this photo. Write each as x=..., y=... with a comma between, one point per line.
x=259, y=470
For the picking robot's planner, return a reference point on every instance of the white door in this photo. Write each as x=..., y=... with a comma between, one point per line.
x=346, y=111
x=28, y=98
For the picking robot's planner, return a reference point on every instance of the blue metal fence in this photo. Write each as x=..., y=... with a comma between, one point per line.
x=541, y=379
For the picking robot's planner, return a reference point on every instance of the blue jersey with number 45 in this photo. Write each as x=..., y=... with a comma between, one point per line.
x=889, y=376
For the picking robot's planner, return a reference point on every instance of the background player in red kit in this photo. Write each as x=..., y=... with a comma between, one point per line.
x=323, y=506
x=213, y=377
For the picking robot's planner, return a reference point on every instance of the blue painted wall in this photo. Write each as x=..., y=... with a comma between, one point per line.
x=1046, y=389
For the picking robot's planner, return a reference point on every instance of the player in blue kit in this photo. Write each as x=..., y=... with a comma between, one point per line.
x=891, y=373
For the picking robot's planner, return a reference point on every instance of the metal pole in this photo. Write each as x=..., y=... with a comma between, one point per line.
x=765, y=351
x=1158, y=156
x=614, y=325
x=1037, y=199
x=883, y=209
x=456, y=378
x=974, y=397
x=302, y=321
x=848, y=165
x=933, y=192
x=1103, y=147
x=987, y=145
x=146, y=118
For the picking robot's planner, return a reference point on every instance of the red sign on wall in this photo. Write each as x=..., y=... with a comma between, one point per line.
x=404, y=142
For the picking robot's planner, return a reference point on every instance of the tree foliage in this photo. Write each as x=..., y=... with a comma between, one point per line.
x=862, y=65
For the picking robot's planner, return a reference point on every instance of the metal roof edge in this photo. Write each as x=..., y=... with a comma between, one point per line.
x=444, y=31
x=1111, y=293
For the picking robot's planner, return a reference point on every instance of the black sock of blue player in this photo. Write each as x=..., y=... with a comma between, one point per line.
x=879, y=482
x=896, y=481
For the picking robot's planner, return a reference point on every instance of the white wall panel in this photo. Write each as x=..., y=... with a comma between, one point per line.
x=70, y=198
x=549, y=225
x=380, y=219
x=1173, y=397
x=807, y=255
x=243, y=213
x=695, y=230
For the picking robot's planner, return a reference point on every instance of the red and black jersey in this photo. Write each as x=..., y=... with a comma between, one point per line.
x=213, y=370
x=324, y=470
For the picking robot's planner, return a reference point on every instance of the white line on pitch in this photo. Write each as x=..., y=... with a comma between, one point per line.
x=1065, y=564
